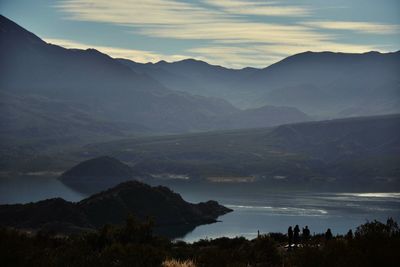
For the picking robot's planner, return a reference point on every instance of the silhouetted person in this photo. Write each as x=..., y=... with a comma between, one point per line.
x=306, y=234
x=328, y=234
x=296, y=235
x=290, y=236
x=349, y=235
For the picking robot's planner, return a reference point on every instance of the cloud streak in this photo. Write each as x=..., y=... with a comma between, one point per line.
x=229, y=36
x=259, y=8
x=361, y=27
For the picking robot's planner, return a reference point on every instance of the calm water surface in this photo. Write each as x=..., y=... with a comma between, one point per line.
x=33, y=188
x=275, y=212
x=265, y=212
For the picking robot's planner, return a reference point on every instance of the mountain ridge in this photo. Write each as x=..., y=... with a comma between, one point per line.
x=366, y=83
x=112, y=206
x=103, y=88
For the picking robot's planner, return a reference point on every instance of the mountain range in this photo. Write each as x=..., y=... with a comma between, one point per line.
x=90, y=93
x=87, y=92
x=54, y=100
x=322, y=84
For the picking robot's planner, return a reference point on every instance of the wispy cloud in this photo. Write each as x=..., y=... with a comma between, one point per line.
x=261, y=55
x=139, y=13
x=229, y=35
x=116, y=52
x=239, y=31
x=260, y=8
x=356, y=26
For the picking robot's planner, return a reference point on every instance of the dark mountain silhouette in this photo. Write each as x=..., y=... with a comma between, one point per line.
x=195, y=76
x=338, y=81
x=143, y=200
x=62, y=93
x=52, y=97
x=113, y=206
x=97, y=84
x=324, y=84
x=98, y=174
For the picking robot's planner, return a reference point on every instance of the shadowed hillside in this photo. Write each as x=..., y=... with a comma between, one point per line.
x=168, y=210
x=324, y=84
x=345, y=153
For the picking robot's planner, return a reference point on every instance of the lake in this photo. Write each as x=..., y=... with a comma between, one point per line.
x=264, y=211
x=275, y=212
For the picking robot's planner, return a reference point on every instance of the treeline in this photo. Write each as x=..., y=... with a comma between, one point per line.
x=134, y=244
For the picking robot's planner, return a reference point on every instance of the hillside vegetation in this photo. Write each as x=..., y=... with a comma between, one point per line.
x=373, y=244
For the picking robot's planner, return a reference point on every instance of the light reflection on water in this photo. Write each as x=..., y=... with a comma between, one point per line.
x=275, y=212
x=264, y=212
x=289, y=211
x=373, y=195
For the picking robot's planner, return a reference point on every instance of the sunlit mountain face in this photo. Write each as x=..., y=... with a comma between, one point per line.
x=199, y=133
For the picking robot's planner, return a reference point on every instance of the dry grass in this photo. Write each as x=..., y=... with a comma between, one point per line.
x=175, y=263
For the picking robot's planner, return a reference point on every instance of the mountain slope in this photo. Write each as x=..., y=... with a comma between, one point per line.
x=324, y=84
x=194, y=76
x=265, y=116
x=73, y=83
x=338, y=81
x=112, y=206
x=102, y=86
x=167, y=207
x=340, y=153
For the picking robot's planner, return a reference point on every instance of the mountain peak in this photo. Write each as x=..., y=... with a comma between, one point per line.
x=11, y=32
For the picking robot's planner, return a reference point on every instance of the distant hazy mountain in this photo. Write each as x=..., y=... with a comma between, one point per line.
x=59, y=93
x=330, y=83
x=98, y=84
x=323, y=84
x=113, y=206
x=196, y=77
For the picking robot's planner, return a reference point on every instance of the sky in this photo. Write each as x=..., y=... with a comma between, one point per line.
x=231, y=33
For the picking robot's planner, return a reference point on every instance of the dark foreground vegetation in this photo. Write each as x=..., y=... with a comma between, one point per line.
x=373, y=244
